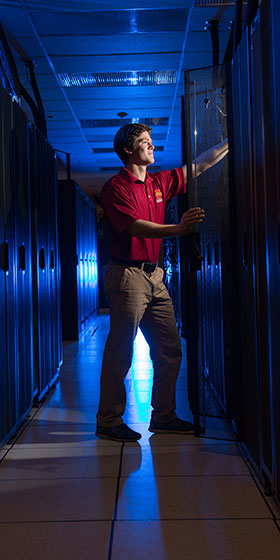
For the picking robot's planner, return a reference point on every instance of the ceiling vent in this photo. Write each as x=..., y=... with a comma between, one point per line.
x=112, y=79
x=214, y=3
x=101, y=123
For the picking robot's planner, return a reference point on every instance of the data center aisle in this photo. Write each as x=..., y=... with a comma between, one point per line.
x=66, y=494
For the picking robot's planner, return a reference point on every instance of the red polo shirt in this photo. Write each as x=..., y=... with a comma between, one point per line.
x=126, y=199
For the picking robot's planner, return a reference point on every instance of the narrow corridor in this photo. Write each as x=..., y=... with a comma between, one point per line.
x=65, y=494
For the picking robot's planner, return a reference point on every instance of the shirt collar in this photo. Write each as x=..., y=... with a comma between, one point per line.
x=126, y=174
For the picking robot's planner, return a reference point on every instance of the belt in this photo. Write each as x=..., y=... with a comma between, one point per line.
x=146, y=266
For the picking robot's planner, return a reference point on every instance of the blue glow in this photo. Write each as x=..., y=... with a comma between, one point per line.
x=81, y=272
x=141, y=376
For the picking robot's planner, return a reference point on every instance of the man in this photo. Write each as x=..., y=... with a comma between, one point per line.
x=134, y=203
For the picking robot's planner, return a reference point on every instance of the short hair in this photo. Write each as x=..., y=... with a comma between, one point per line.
x=126, y=137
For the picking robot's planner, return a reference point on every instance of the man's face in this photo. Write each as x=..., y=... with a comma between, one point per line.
x=143, y=150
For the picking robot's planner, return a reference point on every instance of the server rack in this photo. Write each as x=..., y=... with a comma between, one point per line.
x=16, y=303
x=256, y=81
x=30, y=314
x=248, y=405
x=4, y=270
x=79, y=270
x=20, y=158
x=45, y=265
x=206, y=286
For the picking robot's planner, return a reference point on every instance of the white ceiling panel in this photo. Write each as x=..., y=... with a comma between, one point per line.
x=114, y=63
x=100, y=45
x=116, y=105
x=122, y=93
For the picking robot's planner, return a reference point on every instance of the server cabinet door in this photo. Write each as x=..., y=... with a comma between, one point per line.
x=262, y=249
x=95, y=263
x=87, y=258
x=41, y=253
x=9, y=233
x=59, y=357
x=68, y=261
x=274, y=244
x=80, y=267
x=206, y=127
x=52, y=227
x=93, y=260
x=3, y=271
x=21, y=185
x=270, y=23
x=247, y=404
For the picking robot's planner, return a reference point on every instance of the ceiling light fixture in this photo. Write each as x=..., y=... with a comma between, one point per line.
x=135, y=78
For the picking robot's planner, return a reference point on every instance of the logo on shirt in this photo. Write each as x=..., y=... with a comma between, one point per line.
x=158, y=195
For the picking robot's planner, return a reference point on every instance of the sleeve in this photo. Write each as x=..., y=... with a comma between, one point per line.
x=172, y=182
x=119, y=208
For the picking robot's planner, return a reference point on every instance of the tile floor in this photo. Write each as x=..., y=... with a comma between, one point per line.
x=66, y=494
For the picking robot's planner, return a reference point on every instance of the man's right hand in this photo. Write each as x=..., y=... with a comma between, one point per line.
x=189, y=218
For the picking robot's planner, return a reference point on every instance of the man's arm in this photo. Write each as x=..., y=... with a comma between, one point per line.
x=208, y=159
x=152, y=230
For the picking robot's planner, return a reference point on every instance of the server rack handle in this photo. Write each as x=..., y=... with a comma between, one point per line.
x=42, y=260
x=21, y=258
x=52, y=260
x=4, y=256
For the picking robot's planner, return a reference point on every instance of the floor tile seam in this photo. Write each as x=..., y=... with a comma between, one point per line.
x=89, y=446
x=133, y=520
x=115, y=513
x=40, y=522
x=52, y=423
x=94, y=477
x=43, y=479
x=153, y=476
x=256, y=481
x=178, y=444
x=136, y=519
x=72, y=407
x=28, y=446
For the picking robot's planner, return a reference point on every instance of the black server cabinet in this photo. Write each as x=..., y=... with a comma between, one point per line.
x=262, y=248
x=78, y=245
x=53, y=266
x=10, y=287
x=41, y=264
x=248, y=402
x=4, y=266
x=266, y=121
x=20, y=158
x=15, y=262
x=256, y=89
x=45, y=266
x=272, y=149
x=206, y=283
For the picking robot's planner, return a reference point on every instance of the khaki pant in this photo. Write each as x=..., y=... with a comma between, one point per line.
x=137, y=298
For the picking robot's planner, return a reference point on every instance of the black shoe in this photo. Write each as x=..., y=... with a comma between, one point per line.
x=118, y=433
x=176, y=426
